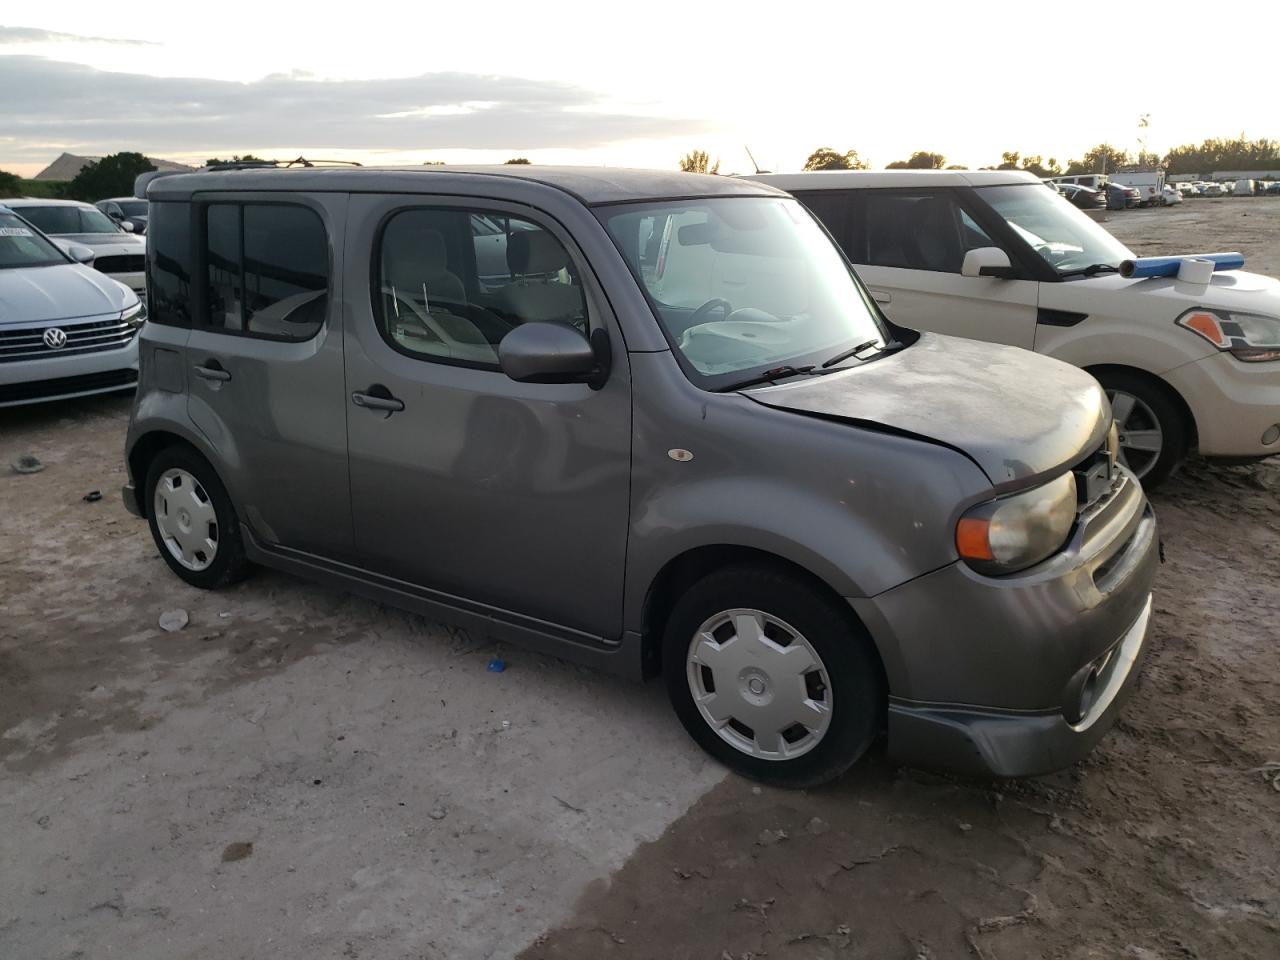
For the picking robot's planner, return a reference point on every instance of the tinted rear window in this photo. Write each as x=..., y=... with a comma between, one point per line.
x=169, y=264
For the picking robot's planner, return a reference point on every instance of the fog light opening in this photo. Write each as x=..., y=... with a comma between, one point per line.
x=1271, y=435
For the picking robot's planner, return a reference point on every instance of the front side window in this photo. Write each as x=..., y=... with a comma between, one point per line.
x=918, y=231
x=1063, y=236
x=742, y=285
x=266, y=270
x=451, y=283
x=21, y=246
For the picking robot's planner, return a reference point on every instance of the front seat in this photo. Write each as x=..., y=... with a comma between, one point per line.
x=430, y=301
x=536, y=293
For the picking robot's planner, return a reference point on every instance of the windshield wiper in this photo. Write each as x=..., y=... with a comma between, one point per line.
x=852, y=352
x=1090, y=271
x=768, y=376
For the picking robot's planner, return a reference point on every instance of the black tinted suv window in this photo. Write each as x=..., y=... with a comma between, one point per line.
x=918, y=231
x=169, y=264
x=267, y=270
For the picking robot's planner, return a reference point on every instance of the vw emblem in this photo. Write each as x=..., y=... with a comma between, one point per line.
x=55, y=339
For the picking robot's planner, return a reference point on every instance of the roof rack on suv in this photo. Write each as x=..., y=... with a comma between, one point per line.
x=282, y=164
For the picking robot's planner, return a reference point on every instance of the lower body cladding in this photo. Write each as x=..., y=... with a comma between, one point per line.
x=1022, y=674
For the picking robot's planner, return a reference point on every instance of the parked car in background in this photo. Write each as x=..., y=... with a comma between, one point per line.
x=1170, y=195
x=66, y=330
x=692, y=444
x=1094, y=181
x=1148, y=183
x=994, y=256
x=126, y=210
x=1214, y=190
x=117, y=252
x=1273, y=187
x=1085, y=198
x=1244, y=188
x=1122, y=197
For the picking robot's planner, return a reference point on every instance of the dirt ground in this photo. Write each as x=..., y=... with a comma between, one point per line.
x=302, y=774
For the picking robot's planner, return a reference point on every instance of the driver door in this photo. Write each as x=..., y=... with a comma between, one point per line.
x=909, y=245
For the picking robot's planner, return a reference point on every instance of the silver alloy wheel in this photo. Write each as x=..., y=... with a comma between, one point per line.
x=1141, y=438
x=185, y=517
x=759, y=684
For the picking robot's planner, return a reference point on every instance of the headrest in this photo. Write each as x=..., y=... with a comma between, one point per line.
x=535, y=251
x=416, y=257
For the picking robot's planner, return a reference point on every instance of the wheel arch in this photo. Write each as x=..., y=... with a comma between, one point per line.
x=686, y=568
x=1099, y=370
x=145, y=448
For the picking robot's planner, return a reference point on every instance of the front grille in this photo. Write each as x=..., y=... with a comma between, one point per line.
x=121, y=263
x=27, y=343
x=87, y=383
x=1096, y=478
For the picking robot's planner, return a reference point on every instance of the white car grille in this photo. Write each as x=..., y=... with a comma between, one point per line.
x=31, y=343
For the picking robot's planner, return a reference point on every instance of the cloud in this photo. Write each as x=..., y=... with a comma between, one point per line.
x=85, y=110
x=36, y=35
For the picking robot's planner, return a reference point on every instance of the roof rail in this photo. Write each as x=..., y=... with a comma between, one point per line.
x=280, y=164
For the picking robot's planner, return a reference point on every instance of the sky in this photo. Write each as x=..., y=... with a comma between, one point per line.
x=626, y=85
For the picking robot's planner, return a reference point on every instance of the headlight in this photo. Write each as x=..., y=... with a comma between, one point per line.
x=1246, y=336
x=1012, y=533
x=137, y=313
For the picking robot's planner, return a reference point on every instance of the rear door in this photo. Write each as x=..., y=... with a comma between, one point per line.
x=909, y=245
x=264, y=363
x=490, y=495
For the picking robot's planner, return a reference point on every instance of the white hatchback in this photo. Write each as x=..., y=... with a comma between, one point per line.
x=998, y=256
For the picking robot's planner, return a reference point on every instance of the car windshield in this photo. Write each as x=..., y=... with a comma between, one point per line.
x=56, y=220
x=20, y=246
x=1066, y=238
x=743, y=285
x=133, y=208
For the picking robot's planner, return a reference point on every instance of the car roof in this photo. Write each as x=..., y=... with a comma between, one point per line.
x=41, y=202
x=868, y=179
x=590, y=185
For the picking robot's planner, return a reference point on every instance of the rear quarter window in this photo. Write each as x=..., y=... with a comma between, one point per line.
x=169, y=264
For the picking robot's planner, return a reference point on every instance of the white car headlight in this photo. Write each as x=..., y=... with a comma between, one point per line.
x=137, y=313
x=1016, y=532
x=1246, y=336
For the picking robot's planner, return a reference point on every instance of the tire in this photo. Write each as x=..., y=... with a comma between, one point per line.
x=207, y=551
x=1155, y=409
x=799, y=621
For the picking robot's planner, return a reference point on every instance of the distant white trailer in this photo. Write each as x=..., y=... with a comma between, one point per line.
x=1149, y=182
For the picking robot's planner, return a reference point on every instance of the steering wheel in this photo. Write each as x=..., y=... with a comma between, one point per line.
x=700, y=315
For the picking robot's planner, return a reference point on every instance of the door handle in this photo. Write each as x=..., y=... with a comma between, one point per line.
x=212, y=371
x=881, y=296
x=378, y=397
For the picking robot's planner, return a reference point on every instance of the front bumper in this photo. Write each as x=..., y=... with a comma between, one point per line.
x=62, y=376
x=1234, y=404
x=986, y=673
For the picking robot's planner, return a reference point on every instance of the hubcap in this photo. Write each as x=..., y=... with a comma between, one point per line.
x=759, y=684
x=1141, y=438
x=185, y=517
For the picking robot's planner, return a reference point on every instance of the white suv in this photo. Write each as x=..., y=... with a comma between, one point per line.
x=998, y=256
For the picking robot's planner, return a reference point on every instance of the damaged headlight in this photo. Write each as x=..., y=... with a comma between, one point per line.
x=1018, y=531
x=1246, y=336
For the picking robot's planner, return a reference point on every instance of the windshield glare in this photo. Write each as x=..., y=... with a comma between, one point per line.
x=20, y=246
x=1064, y=236
x=742, y=285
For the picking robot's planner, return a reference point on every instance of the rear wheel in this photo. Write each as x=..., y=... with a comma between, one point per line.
x=1154, y=434
x=192, y=520
x=772, y=677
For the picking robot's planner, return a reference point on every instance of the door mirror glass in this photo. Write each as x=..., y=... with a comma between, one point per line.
x=987, y=262
x=547, y=353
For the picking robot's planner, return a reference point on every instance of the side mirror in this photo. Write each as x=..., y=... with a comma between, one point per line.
x=987, y=262
x=76, y=251
x=554, y=353
x=126, y=225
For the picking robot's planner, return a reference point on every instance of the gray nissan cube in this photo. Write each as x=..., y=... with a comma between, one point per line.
x=666, y=431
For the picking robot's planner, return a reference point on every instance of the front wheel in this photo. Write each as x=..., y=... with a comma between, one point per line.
x=1154, y=434
x=772, y=677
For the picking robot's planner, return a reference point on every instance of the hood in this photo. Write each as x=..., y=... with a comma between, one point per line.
x=1017, y=415
x=1162, y=299
x=108, y=244
x=59, y=292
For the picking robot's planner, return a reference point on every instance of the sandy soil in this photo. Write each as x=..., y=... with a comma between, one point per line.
x=304, y=774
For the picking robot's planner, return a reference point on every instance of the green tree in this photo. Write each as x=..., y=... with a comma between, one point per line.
x=1103, y=158
x=112, y=176
x=247, y=158
x=920, y=160
x=1237, y=153
x=699, y=161
x=10, y=184
x=824, y=158
x=518, y=161
x=957, y=166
